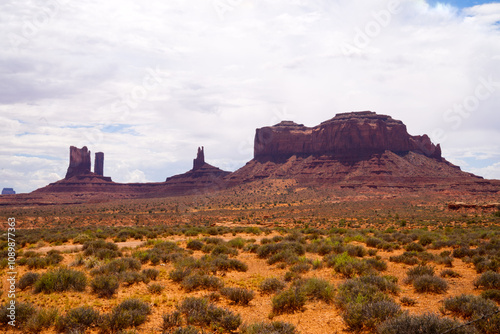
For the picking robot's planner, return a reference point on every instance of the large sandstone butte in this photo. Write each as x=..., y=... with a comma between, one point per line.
x=79, y=161
x=354, y=150
x=346, y=137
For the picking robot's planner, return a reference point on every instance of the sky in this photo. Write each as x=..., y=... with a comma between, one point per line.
x=148, y=82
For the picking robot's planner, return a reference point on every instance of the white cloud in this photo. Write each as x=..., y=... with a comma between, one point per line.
x=86, y=66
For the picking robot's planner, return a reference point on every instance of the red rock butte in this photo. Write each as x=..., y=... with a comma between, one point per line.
x=356, y=150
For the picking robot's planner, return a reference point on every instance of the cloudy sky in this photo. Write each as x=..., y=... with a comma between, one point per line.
x=149, y=82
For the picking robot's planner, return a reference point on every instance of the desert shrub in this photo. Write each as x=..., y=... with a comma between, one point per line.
x=195, y=244
x=462, y=252
x=129, y=278
x=408, y=258
x=428, y=283
x=155, y=288
x=54, y=257
x=417, y=271
x=414, y=247
x=61, y=279
x=117, y=266
x=199, y=311
x=251, y=248
x=129, y=313
x=223, y=249
x=377, y=263
x=198, y=281
x=151, y=273
x=373, y=242
x=356, y=250
x=187, y=330
x=238, y=295
x=37, y=263
x=368, y=315
x=362, y=290
x=78, y=320
x=387, y=284
x=41, y=320
x=276, y=327
x=287, y=256
x=171, y=320
x=267, y=250
x=289, y=301
x=425, y=240
x=469, y=306
x=449, y=273
x=488, y=280
x=223, y=263
x=178, y=275
x=23, y=312
x=101, y=249
x=492, y=294
x=407, y=301
x=28, y=280
x=105, y=286
x=317, y=289
x=301, y=267
x=236, y=243
x=346, y=265
x=422, y=324
x=272, y=285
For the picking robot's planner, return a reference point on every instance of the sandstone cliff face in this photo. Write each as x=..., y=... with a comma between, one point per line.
x=350, y=137
x=79, y=161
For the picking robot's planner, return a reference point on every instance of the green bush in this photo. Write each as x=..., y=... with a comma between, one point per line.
x=238, y=295
x=199, y=311
x=289, y=301
x=449, y=273
x=155, y=288
x=28, y=280
x=23, y=313
x=422, y=324
x=151, y=273
x=272, y=285
x=118, y=266
x=469, y=306
x=317, y=289
x=41, y=320
x=368, y=315
x=488, y=280
x=78, y=320
x=195, y=244
x=197, y=281
x=187, y=330
x=129, y=278
x=428, y=283
x=129, y=313
x=407, y=301
x=418, y=271
x=491, y=294
x=105, y=286
x=101, y=249
x=276, y=327
x=60, y=280
x=171, y=320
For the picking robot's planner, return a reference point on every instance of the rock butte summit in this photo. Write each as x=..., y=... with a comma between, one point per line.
x=355, y=150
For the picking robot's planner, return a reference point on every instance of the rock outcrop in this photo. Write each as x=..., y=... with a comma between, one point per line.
x=8, y=191
x=350, y=136
x=79, y=161
x=354, y=150
x=200, y=159
x=99, y=164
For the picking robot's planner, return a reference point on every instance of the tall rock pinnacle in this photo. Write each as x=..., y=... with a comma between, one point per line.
x=200, y=159
x=79, y=161
x=99, y=164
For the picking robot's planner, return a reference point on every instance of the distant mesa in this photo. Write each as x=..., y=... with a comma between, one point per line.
x=8, y=191
x=363, y=151
x=347, y=137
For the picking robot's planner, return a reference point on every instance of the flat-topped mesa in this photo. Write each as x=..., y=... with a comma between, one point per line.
x=79, y=161
x=347, y=136
x=200, y=159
